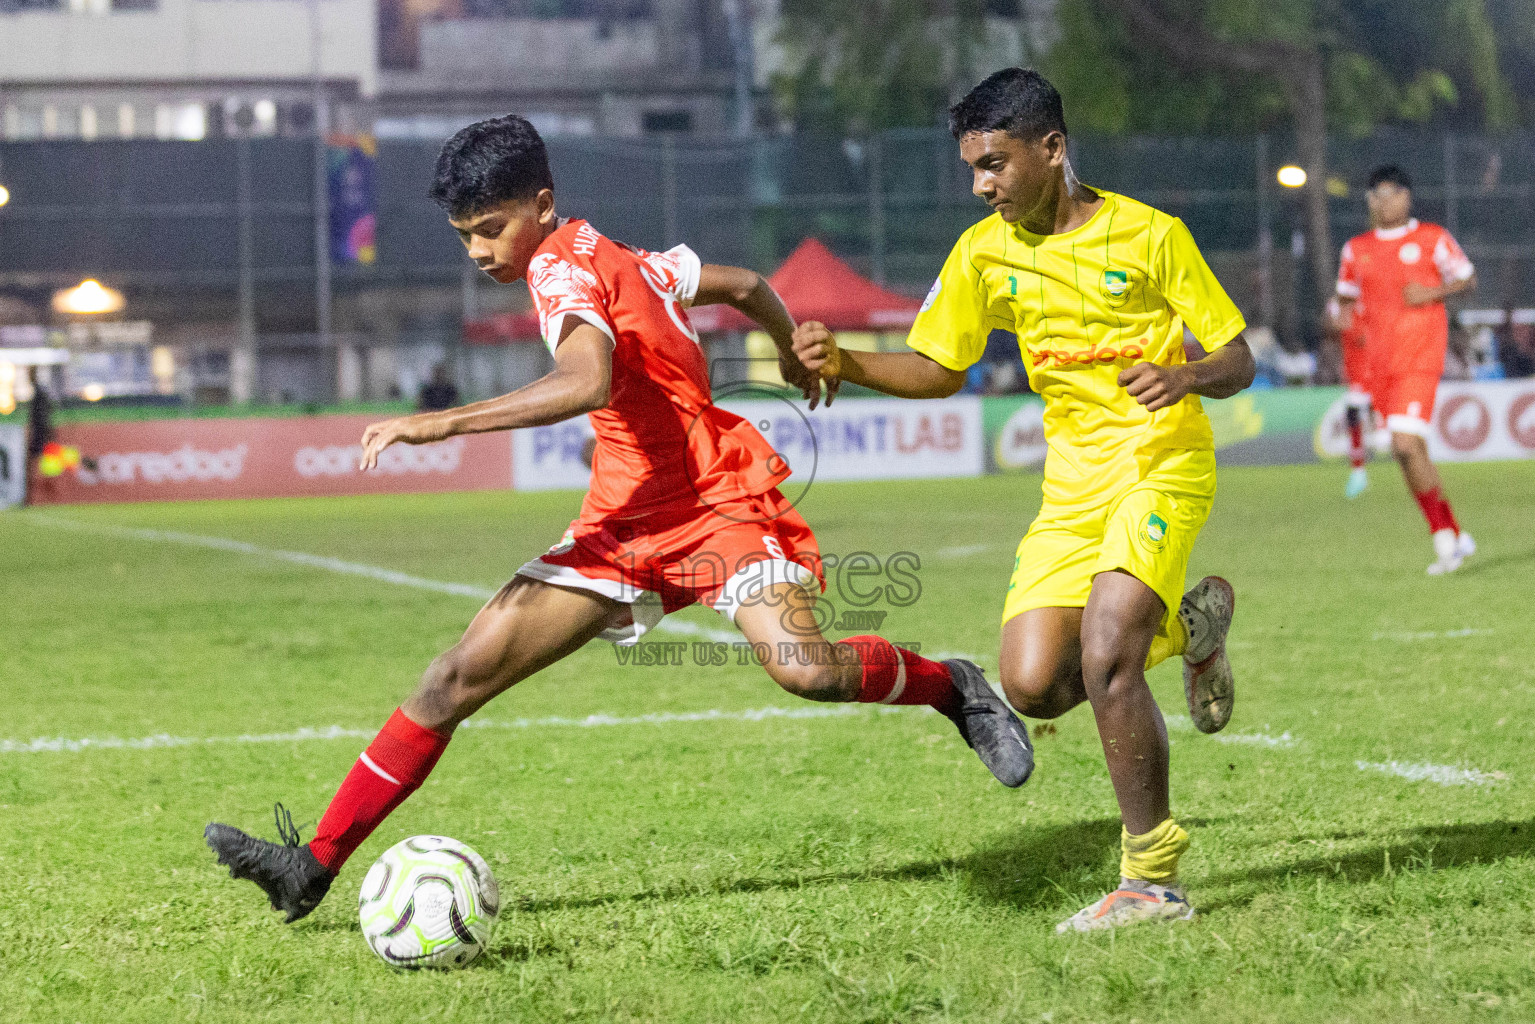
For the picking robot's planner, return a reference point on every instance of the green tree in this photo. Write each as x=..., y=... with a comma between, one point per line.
x=855, y=67
x=1320, y=65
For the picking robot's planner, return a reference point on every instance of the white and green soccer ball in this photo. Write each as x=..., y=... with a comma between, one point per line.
x=428, y=902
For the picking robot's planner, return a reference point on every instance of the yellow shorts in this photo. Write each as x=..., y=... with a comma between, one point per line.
x=1147, y=529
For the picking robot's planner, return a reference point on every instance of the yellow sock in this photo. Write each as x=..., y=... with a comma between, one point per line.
x=1153, y=857
x=1171, y=639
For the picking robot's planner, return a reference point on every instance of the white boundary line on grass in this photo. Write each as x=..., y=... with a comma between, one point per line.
x=1443, y=634
x=1444, y=775
x=62, y=744
x=336, y=565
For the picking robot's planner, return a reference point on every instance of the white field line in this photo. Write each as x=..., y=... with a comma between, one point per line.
x=1182, y=723
x=1444, y=634
x=61, y=744
x=335, y=565
x=1258, y=739
x=685, y=628
x=1442, y=774
x=961, y=551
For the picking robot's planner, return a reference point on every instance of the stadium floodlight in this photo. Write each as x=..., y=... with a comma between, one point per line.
x=1292, y=176
x=5, y=195
x=89, y=297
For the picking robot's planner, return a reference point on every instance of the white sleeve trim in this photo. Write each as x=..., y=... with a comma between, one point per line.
x=557, y=326
x=1348, y=289
x=689, y=270
x=1452, y=269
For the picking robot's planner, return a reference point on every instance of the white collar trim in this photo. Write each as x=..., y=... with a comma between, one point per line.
x=1392, y=234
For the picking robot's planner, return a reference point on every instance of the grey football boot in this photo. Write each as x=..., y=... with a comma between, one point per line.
x=989, y=726
x=1206, y=611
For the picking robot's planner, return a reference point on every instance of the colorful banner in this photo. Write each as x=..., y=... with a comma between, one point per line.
x=13, y=464
x=1473, y=421
x=351, y=169
x=855, y=439
x=185, y=459
x=1266, y=427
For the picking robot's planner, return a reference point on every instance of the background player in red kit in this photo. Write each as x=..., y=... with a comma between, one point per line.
x=684, y=507
x=1359, y=413
x=1399, y=274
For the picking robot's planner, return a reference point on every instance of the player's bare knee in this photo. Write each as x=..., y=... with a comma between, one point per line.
x=1031, y=689
x=1105, y=665
x=447, y=687
x=809, y=681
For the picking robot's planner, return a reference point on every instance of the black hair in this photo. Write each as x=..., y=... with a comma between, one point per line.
x=490, y=162
x=1019, y=101
x=1391, y=173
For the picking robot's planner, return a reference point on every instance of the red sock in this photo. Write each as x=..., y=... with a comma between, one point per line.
x=892, y=675
x=1355, y=442
x=1447, y=514
x=393, y=767
x=1437, y=511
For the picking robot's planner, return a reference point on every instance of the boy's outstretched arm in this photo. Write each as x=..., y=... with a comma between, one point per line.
x=902, y=374
x=580, y=382
x=750, y=293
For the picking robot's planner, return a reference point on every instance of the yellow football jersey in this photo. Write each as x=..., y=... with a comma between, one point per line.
x=1085, y=305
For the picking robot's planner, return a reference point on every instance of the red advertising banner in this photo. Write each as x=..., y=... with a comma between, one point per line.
x=180, y=460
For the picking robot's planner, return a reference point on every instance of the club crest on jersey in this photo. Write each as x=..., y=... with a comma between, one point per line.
x=1116, y=286
x=1153, y=531
x=1410, y=253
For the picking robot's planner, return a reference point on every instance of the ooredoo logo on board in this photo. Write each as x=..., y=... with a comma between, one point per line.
x=193, y=459
x=342, y=460
x=184, y=464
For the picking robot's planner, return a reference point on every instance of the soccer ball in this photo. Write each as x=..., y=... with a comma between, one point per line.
x=428, y=902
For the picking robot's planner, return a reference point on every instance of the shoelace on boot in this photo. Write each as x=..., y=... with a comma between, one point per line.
x=285, y=827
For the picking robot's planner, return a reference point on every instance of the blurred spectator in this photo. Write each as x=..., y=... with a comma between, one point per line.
x=1516, y=343
x=439, y=393
x=1459, y=360
x=1005, y=378
x=1294, y=369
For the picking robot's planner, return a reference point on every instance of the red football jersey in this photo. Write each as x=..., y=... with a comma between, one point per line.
x=662, y=444
x=1376, y=266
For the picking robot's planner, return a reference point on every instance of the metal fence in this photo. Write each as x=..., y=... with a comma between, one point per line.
x=188, y=229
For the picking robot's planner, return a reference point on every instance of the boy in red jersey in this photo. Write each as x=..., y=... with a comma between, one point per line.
x=1399, y=274
x=683, y=508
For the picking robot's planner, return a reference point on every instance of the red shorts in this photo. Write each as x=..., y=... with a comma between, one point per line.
x=1407, y=401
x=656, y=564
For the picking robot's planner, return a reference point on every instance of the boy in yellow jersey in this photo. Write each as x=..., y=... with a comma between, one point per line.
x=1098, y=288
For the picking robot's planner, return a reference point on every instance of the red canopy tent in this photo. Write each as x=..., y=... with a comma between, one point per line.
x=814, y=283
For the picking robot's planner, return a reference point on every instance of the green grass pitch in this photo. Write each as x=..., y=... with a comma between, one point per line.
x=854, y=868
